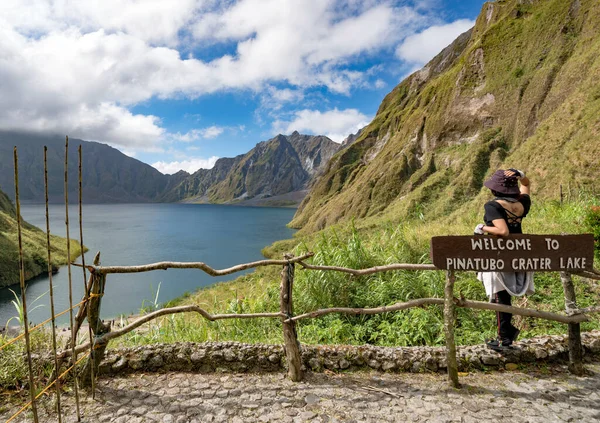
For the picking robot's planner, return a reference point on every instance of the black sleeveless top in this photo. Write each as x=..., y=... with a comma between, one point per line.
x=494, y=211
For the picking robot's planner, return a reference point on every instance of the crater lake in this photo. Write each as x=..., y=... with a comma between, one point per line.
x=133, y=234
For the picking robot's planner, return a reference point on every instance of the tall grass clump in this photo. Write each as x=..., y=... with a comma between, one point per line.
x=392, y=244
x=13, y=363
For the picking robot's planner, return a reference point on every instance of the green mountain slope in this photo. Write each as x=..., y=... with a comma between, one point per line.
x=34, y=247
x=108, y=175
x=520, y=89
x=273, y=168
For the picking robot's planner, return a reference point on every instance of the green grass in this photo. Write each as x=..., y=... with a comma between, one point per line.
x=365, y=244
x=14, y=374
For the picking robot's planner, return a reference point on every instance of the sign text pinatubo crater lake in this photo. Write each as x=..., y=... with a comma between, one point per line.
x=515, y=253
x=133, y=234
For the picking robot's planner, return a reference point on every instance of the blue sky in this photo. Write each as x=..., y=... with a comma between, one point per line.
x=178, y=84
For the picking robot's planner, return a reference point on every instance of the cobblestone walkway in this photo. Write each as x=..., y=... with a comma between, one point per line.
x=550, y=396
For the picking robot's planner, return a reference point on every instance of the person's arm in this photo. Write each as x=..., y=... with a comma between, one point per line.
x=524, y=180
x=494, y=213
x=524, y=188
x=499, y=229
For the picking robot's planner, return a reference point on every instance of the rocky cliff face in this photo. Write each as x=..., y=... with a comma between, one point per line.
x=518, y=90
x=273, y=168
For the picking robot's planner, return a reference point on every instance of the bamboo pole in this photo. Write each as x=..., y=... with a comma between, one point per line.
x=449, y=321
x=25, y=321
x=290, y=335
x=73, y=334
x=51, y=285
x=85, y=285
x=575, y=348
x=81, y=315
x=82, y=312
x=164, y=265
x=440, y=301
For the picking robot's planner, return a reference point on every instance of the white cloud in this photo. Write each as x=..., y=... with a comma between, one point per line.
x=212, y=131
x=78, y=67
x=380, y=83
x=335, y=124
x=274, y=98
x=286, y=95
x=155, y=21
x=424, y=46
x=190, y=165
x=196, y=134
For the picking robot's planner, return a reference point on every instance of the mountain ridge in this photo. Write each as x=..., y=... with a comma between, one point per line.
x=111, y=176
x=516, y=90
x=108, y=174
x=276, y=167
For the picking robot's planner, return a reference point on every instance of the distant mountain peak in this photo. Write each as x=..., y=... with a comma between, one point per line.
x=275, y=167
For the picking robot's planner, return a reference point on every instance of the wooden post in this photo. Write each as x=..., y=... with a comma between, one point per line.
x=51, y=288
x=290, y=337
x=98, y=328
x=449, y=318
x=71, y=321
x=575, y=347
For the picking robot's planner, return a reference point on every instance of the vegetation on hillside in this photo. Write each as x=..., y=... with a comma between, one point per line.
x=518, y=90
x=34, y=247
x=365, y=244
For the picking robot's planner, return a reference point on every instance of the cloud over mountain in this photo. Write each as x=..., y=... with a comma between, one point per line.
x=82, y=67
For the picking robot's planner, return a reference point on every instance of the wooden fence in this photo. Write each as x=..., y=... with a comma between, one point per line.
x=99, y=333
x=102, y=333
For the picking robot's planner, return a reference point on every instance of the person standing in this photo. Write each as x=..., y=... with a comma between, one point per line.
x=503, y=216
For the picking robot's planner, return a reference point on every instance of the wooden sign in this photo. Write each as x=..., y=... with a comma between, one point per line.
x=514, y=253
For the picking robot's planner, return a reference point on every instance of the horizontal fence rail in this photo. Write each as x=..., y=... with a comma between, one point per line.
x=577, y=318
x=99, y=273
x=165, y=265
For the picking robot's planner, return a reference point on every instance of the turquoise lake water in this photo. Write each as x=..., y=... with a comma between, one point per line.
x=134, y=234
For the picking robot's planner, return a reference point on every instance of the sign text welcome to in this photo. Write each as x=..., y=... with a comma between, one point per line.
x=514, y=253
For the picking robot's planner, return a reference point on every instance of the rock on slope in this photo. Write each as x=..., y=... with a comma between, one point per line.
x=519, y=89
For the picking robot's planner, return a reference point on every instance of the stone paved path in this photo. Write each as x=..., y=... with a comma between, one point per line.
x=550, y=396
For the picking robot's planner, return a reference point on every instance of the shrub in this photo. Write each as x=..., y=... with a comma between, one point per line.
x=592, y=223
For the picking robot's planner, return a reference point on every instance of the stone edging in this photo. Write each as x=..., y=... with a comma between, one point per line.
x=238, y=357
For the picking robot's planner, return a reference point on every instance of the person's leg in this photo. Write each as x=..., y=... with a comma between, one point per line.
x=506, y=331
